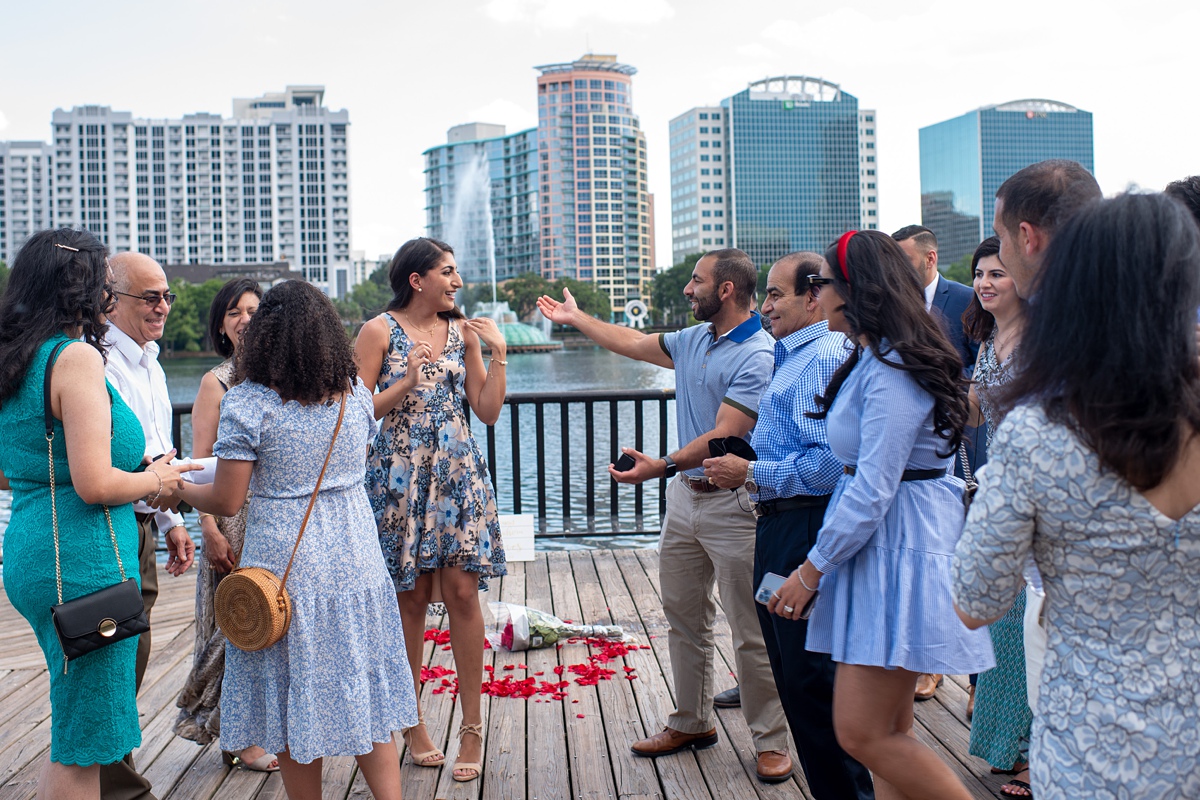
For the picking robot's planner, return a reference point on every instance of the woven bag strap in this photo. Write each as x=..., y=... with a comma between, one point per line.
x=312, y=501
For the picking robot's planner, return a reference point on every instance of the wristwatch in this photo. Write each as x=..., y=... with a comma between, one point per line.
x=671, y=468
x=750, y=485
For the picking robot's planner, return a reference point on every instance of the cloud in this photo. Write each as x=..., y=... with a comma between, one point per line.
x=754, y=50
x=505, y=112
x=568, y=13
x=3, y=121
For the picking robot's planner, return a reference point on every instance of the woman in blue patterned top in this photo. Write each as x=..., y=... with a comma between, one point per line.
x=337, y=683
x=1096, y=471
x=895, y=413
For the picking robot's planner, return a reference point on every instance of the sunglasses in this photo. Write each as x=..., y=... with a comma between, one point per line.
x=151, y=299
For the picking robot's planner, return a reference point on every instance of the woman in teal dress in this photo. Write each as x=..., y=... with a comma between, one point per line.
x=94, y=717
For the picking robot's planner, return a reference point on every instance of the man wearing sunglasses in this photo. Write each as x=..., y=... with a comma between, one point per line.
x=135, y=326
x=791, y=480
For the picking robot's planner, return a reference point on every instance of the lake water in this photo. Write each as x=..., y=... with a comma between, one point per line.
x=588, y=368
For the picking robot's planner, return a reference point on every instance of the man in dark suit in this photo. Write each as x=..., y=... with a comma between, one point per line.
x=946, y=300
x=943, y=297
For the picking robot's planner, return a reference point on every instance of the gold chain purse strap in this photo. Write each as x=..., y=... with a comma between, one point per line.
x=49, y=419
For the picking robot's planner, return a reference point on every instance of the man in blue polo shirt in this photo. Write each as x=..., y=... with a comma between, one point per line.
x=721, y=370
x=791, y=480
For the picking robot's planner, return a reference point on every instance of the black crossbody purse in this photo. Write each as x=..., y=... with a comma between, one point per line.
x=101, y=618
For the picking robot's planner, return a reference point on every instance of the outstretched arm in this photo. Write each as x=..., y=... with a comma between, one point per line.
x=617, y=338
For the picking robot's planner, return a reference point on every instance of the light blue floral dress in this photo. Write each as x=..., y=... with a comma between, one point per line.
x=339, y=681
x=426, y=477
x=1119, y=707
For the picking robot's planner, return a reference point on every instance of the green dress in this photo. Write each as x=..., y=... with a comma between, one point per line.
x=94, y=717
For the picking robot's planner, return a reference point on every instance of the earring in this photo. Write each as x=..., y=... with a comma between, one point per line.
x=419, y=289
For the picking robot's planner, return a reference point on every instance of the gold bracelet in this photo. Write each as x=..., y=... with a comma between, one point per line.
x=204, y=514
x=498, y=361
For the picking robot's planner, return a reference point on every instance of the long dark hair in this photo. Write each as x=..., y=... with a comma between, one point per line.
x=296, y=345
x=1109, y=348
x=52, y=290
x=977, y=322
x=227, y=297
x=885, y=300
x=416, y=256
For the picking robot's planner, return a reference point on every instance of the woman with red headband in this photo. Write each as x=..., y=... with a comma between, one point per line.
x=895, y=413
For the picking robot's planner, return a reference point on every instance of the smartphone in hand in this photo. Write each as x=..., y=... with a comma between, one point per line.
x=769, y=586
x=624, y=463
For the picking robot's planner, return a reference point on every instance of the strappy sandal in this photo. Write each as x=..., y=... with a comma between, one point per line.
x=430, y=758
x=267, y=762
x=474, y=767
x=1020, y=784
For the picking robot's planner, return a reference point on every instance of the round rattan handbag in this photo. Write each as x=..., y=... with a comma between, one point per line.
x=251, y=604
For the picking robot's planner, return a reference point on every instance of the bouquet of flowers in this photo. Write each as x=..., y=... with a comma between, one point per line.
x=522, y=628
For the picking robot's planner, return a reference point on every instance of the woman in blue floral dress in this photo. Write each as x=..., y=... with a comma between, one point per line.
x=1096, y=471
x=336, y=684
x=427, y=478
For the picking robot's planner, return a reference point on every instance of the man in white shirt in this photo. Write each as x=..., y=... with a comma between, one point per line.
x=135, y=326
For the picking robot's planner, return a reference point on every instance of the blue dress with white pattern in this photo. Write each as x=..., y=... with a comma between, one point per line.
x=339, y=681
x=887, y=545
x=1119, y=703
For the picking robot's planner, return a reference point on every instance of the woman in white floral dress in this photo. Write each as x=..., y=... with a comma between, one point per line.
x=1097, y=471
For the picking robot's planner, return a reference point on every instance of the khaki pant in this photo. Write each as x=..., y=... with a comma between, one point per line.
x=121, y=780
x=707, y=538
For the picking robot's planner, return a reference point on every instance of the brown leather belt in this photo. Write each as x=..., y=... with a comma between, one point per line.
x=700, y=484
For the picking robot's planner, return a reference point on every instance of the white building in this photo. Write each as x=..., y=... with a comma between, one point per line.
x=269, y=184
x=26, y=188
x=697, y=187
x=867, y=170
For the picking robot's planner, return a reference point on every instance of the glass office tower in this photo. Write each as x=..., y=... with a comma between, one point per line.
x=792, y=158
x=964, y=160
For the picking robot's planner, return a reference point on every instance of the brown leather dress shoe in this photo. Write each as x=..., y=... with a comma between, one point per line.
x=774, y=766
x=672, y=741
x=927, y=686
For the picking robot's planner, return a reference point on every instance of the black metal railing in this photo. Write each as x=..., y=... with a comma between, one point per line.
x=570, y=438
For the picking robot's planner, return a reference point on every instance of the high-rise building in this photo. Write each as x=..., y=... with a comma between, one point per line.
x=594, y=204
x=964, y=160
x=481, y=168
x=783, y=165
x=26, y=192
x=271, y=183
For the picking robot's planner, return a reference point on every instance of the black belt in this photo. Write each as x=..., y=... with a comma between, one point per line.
x=766, y=508
x=909, y=474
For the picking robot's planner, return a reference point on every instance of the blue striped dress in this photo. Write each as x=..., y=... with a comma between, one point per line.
x=887, y=546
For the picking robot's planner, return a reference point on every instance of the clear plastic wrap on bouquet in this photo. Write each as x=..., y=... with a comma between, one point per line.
x=515, y=627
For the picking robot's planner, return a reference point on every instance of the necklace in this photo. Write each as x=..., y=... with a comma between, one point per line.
x=1000, y=345
x=428, y=332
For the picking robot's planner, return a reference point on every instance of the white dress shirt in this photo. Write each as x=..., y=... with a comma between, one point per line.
x=930, y=291
x=138, y=377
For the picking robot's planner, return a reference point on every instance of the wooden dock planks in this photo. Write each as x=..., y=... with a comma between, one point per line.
x=533, y=750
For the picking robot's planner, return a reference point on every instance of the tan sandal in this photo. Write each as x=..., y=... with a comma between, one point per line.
x=267, y=762
x=475, y=768
x=430, y=758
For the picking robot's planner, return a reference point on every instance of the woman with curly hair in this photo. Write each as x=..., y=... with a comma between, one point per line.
x=895, y=413
x=337, y=683
x=428, y=480
x=199, y=719
x=1095, y=471
x=58, y=293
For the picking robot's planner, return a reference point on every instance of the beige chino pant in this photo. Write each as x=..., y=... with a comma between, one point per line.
x=707, y=539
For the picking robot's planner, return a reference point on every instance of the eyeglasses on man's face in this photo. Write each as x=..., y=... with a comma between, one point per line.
x=151, y=299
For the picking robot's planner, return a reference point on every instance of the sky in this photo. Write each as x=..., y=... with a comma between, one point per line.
x=408, y=71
